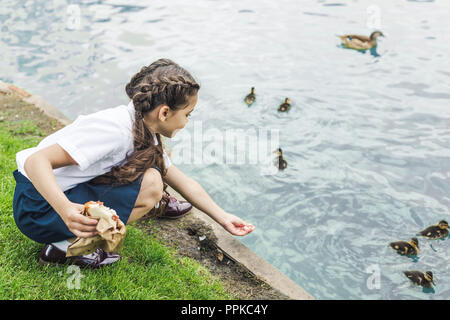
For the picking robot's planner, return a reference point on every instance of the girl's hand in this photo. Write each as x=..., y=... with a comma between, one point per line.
x=78, y=224
x=235, y=225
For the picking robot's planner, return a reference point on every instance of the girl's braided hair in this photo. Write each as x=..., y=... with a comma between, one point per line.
x=162, y=82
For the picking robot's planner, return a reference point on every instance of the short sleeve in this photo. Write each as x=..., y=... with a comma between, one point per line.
x=91, y=138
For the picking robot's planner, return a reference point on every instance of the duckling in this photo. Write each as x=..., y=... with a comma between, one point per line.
x=410, y=248
x=281, y=163
x=436, y=231
x=250, y=98
x=285, y=106
x=358, y=42
x=420, y=278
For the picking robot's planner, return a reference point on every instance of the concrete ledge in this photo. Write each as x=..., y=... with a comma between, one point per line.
x=229, y=245
x=39, y=102
x=238, y=252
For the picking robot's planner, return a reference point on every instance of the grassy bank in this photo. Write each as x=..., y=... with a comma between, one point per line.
x=149, y=270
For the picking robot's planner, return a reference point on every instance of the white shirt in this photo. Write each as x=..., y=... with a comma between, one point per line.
x=97, y=142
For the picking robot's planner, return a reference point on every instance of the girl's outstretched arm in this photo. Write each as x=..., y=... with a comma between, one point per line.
x=193, y=192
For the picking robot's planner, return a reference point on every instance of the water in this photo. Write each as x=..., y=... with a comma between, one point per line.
x=367, y=140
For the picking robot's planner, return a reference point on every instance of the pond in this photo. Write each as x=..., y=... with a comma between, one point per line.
x=367, y=138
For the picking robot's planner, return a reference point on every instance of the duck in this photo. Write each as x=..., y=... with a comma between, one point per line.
x=420, y=278
x=281, y=163
x=285, y=106
x=438, y=231
x=410, y=248
x=250, y=98
x=358, y=42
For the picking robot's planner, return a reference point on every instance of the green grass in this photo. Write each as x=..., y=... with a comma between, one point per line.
x=149, y=270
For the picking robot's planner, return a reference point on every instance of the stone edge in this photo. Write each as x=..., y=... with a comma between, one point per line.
x=37, y=101
x=240, y=253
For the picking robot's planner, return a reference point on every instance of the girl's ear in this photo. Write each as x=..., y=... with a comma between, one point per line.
x=163, y=112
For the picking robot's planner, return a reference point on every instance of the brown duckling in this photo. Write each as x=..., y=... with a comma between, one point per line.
x=410, y=248
x=420, y=278
x=281, y=163
x=436, y=231
x=285, y=106
x=250, y=98
x=358, y=42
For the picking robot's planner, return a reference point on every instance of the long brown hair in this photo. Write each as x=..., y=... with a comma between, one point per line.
x=162, y=82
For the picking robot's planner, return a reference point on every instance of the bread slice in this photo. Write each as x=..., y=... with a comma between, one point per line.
x=97, y=210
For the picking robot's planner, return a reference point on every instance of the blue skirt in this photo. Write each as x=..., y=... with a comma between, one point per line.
x=36, y=219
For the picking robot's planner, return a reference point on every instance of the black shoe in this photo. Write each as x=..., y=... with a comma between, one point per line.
x=52, y=255
x=99, y=258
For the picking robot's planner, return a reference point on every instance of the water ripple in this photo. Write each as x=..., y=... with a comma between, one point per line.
x=367, y=139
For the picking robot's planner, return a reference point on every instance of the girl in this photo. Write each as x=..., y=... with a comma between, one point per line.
x=115, y=156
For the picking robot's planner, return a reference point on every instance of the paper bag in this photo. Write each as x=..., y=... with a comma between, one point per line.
x=109, y=238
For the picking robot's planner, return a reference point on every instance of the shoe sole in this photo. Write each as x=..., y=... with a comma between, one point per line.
x=54, y=264
x=174, y=218
x=42, y=262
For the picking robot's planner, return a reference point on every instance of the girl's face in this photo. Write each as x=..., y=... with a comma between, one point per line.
x=174, y=121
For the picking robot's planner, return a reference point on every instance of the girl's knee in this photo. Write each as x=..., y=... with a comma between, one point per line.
x=151, y=188
x=152, y=177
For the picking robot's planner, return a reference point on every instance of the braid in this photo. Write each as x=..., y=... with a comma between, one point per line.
x=146, y=70
x=162, y=82
x=142, y=99
x=161, y=86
